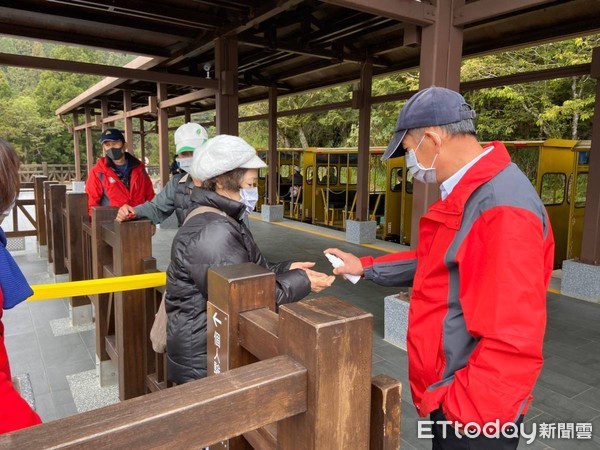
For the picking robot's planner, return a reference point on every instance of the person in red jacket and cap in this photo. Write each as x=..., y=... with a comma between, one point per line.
x=118, y=178
x=479, y=277
x=15, y=413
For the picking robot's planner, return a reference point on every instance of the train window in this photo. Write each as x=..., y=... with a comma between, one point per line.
x=396, y=179
x=309, y=175
x=527, y=158
x=409, y=182
x=553, y=188
x=581, y=190
x=583, y=158
x=285, y=171
x=348, y=175
x=327, y=175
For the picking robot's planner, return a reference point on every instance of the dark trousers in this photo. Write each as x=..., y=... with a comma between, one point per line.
x=481, y=442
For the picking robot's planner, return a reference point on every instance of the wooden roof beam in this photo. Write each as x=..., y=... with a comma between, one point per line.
x=489, y=9
x=266, y=12
x=404, y=10
x=106, y=71
x=306, y=51
x=125, y=46
x=142, y=9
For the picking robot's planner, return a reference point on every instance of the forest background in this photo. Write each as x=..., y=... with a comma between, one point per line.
x=560, y=108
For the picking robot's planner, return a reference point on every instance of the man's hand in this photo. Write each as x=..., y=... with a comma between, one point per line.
x=318, y=280
x=352, y=265
x=126, y=213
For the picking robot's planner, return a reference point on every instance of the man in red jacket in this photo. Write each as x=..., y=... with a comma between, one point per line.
x=479, y=277
x=118, y=177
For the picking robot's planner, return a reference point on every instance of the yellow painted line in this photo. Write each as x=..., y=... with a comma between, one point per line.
x=554, y=291
x=101, y=286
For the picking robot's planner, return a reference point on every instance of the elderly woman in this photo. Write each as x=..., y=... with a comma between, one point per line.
x=15, y=413
x=214, y=235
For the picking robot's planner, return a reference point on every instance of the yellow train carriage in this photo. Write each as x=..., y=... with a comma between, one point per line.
x=330, y=186
x=558, y=168
x=398, y=201
x=289, y=179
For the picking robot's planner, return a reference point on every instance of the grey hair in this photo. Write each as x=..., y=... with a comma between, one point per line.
x=462, y=128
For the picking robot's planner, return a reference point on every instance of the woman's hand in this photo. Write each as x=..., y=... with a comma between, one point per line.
x=125, y=213
x=352, y=265
x=302, y=265
x=318, y=280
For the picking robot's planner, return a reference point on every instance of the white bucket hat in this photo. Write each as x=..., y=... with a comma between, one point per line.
x=222, y=154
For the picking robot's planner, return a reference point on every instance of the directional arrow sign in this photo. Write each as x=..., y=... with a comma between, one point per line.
x=216, y=320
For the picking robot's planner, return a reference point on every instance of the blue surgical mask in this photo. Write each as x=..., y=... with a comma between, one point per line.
x=185, y=163
x=418, y=171
x=249, y=198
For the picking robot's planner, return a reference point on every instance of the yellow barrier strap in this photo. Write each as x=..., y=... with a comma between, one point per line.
x=100, y=286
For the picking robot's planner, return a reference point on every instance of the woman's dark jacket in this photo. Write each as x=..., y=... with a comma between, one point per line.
x=209, y=240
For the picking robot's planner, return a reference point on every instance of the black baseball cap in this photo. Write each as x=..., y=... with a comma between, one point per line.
x=112, y=134
x=427, y=108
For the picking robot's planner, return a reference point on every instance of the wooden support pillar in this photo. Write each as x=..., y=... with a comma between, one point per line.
x=76, y=212
x=164, y=157
x=128, y=127
x=362, y=100
x=232, y=290
x=102, y=255
x=76, y=149
x=590, y=245
x=142, y=141
x=57, y=204
x=103, y=112
x=441, y=55
x=133, y=250
x=333, y=340
x=89, y=145
x=386, y=398
x=272, y=159
x=47, y=216
x=226, y=70
x=187, y=114
x=40, y=209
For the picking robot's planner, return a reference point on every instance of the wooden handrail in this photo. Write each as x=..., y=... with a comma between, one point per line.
x=193, y=415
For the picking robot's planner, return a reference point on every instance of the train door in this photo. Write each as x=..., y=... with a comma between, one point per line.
x=555, y=169
x=576, y=195
x=407, y=201
x=308, y=198
x=262, y=181
x=377, y=190
x=393, y=199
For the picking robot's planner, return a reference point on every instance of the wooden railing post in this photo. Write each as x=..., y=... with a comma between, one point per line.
x=102, y=255
x=40, y=214
x=48, y=225
x=333, y=340
x=131, y=253
x=232, y=290
x=57, y=201
x=76, y=212
x=386, y=404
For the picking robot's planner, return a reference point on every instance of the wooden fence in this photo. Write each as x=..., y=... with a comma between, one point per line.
x=297, y=380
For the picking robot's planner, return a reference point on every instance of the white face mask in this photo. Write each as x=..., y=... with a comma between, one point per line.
x=185, y=163
x=249, y=198
x=418, y=171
